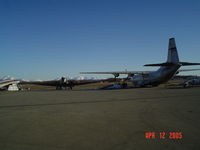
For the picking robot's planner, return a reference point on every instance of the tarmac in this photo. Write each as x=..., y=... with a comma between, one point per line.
x=101, y=119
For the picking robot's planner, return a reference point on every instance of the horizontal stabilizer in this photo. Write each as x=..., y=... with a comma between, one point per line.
x=161, y=64
x=171, y=64
x=188, y=64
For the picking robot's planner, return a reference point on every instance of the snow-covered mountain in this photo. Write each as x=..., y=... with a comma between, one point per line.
x=2, y=78
x=79, y=78
x=85, y=78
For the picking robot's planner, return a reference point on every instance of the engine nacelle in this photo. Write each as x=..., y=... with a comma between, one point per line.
x=63, y=80
x=116, y=75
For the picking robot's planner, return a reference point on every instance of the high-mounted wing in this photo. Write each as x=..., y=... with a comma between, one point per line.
x=183, y=70
x=117, y=73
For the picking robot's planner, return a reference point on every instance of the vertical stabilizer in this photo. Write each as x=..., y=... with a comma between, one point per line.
x=172, y=52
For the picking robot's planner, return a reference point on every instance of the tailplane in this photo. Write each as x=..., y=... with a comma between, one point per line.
x=188, y=64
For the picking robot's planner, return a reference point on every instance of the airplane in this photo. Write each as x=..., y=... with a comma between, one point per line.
x=154, y=78
x=192, y=82
x=10, y=85
x=64, y=83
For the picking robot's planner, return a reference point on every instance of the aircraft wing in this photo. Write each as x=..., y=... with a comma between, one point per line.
x=117, y=73
x=63, y=82
x=58, y=82
x=45, y=83
x=82, y=82
x=183, y=70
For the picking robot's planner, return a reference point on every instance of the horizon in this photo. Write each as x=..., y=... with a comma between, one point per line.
x=42, y=40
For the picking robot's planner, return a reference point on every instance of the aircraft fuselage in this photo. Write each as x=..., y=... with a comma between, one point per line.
x=162, y=75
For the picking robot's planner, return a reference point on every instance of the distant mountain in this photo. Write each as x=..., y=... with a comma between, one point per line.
x=2, y=78
x=79, y=78
x=86, y=78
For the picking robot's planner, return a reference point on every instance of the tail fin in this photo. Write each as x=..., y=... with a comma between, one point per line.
x=172, y=57
x=172, y=52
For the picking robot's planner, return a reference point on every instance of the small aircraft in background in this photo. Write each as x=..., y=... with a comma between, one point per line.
x=10, y=85
x=153, y=78
x=192, y=82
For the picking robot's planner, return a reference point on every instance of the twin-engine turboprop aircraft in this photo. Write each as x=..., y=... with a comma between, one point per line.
x=64, y=83
x=166, y=71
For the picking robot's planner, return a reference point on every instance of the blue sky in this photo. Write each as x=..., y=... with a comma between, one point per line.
x=46, y=39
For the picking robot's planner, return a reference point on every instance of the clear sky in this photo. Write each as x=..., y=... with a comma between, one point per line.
x=46, y=39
